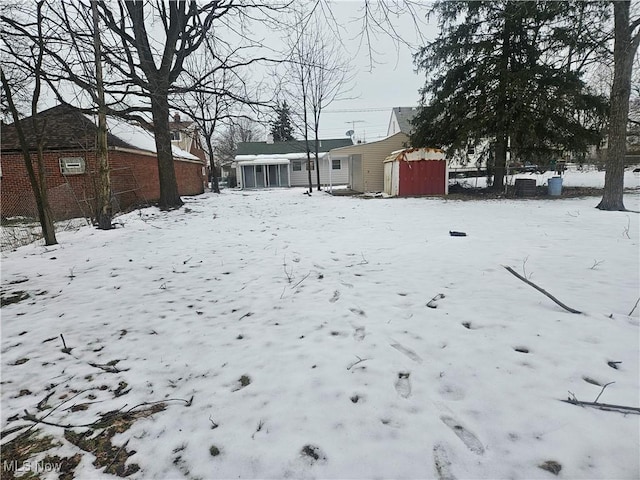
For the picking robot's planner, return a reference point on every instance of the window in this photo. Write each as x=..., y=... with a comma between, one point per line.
x=175, y=135
x=72, y=165
x=297, y=165
x=471, y=149
x=311, y=165
x=335, y=165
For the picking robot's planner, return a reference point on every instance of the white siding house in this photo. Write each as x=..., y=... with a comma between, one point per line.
x=366, y=167
x=284, y=164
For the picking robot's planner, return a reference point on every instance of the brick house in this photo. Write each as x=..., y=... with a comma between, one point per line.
x=71, y=168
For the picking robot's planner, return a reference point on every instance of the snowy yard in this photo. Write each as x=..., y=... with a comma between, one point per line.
x=289, y=337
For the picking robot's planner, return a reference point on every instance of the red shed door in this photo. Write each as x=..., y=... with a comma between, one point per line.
x=424, y=177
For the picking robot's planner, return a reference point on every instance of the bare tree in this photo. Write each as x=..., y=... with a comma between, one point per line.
x=239, y=130
x=329, y=79
x=221, y=94
x=627, y=39
x=317, y=74
x=145, y=46
x=38, y=181
x=103, y=207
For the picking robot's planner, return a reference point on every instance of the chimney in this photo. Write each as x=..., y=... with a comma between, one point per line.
x=176, y=117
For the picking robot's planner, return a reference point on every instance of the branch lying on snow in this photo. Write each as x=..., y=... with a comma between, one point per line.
x=541, y=290
x=602, y=391
x=305, y=277
x=604, y=406
x=360, y=360
x=109, y=416
x=432, y=303
x=634, y=307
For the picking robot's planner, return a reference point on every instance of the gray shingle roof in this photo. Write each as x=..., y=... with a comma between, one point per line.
x=404, y=115
x=295, y=146
x=65, y=128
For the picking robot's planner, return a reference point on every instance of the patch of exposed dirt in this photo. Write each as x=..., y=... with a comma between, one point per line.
x=108, y=456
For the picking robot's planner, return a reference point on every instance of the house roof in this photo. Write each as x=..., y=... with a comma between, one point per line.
x=361, y=146
x=295, y=146
x=66, y=128
x=404, y=115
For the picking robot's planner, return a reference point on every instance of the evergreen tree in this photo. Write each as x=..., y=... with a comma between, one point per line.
x=281, y=128
x=509, y=72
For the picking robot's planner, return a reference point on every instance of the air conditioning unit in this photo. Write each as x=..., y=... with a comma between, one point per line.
x=72, y=165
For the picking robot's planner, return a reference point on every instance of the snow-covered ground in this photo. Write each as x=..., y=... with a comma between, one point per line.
x=300, y=327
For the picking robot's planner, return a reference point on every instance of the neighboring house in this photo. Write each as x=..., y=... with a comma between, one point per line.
x=185, y=136
x=400, y=120
x=71, y=167
x=462, y=161
x=284, y=164
x=365, y=160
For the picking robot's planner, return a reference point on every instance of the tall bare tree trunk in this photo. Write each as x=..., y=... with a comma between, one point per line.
x=625, y=47
x=169, y=196
x=215, y=186
x=38, y=183
x=103, y=205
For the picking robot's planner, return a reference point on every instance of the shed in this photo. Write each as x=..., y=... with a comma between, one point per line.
x=416, y=171
x=366, y=167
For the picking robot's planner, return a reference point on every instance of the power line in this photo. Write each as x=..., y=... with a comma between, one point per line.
x=357, y=110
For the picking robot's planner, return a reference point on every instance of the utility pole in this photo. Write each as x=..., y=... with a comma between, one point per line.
x=103, y=204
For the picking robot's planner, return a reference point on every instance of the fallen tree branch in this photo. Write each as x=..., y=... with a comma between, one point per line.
x=604, y=406
x=602, y=391
x=541, y=290
x=305, y=277
x=634, y=307
x=360, y=360
x=432, y=303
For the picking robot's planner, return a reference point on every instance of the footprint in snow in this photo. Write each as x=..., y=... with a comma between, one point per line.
x=442, y=463
x=403, y=384
x=336, y=296
x=468, y=438
x=359, y=334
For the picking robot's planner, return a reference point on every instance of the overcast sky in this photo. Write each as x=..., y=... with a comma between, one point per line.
x=392, y=82
x=383, y=80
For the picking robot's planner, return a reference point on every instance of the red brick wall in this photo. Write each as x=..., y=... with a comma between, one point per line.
x=134, y=179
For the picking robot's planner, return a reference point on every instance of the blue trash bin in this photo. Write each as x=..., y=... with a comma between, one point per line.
x=555, y=186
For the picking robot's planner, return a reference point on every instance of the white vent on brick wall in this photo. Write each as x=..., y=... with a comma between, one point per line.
x=72, y=165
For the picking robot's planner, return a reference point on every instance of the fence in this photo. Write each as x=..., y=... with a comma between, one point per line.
x=73, y=204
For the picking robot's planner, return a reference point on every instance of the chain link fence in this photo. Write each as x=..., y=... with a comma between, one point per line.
x=73, y=204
